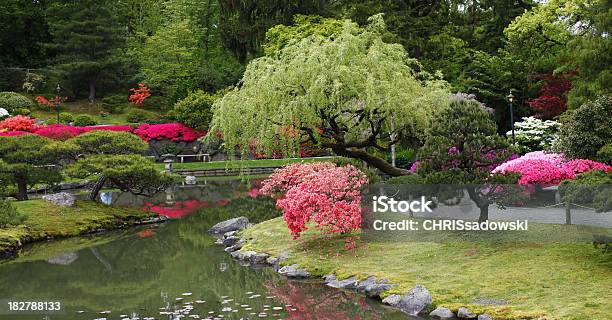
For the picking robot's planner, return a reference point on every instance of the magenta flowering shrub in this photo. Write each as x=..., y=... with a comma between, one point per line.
x=58, y=131
x=328, y=195
x=170, y=131
x=13, y=133
x=548, y=168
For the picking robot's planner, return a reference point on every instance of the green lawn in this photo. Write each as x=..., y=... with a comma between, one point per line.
x=84, y=107
x=263, y=163
x=556, y=279
x=45, y=220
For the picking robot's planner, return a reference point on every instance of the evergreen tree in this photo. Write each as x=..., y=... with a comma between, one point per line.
x=85, y=37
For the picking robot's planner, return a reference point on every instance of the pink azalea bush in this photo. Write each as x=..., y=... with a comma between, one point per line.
x=171, y=131
x=548, y=168
x=320, y=192
x=57, y=131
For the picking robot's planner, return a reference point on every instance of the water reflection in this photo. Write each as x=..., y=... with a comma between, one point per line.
x=173, y=266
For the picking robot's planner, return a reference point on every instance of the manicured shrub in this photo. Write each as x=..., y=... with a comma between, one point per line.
x=170, y=131
x=139, y=116
x=320, y=192
x=83, y=120
x=22, y=111
x=66, y=118
x=605, y=154
x=17, y=123
x=593, y=189
x=109, y=142
x=115, y=99
x=12, y=101
x=588, y=130
x=9, y=216
x=194, y=110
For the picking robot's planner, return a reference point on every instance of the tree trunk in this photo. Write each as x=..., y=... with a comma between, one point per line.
x=92, y=90
x=95, y=190
x=372, y=160
x=484, y=213
x=22, y=188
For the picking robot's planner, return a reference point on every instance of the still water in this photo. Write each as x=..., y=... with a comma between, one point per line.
x=151, y=271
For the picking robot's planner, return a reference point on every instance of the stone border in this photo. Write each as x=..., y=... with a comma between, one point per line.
x=412, y=303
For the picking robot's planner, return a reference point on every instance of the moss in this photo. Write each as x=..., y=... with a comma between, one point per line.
x=45, y=221
x=559, y=280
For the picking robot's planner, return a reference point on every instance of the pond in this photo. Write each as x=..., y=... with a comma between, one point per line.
x=153, y=272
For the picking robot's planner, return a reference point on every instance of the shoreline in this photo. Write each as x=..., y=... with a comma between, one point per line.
x=49, y=222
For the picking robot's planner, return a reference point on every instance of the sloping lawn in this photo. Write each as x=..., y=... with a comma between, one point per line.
x=262, y=163
x=45, y=220
x=555, y=279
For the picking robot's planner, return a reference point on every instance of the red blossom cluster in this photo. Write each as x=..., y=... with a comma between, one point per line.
x=552, y=101
x=17, y=123
x=320, y=192
x=51, y=103
x=139, y=95
x=54, y=131
x=171, y=131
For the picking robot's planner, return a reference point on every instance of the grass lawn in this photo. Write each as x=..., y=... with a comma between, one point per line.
x=558, y=280
x=45, y=220
x=84, y=107
x=262, y=163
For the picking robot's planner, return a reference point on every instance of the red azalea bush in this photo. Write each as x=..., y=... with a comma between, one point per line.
x=17, y=123
x=13, y=133
x=328, y=195
x=171, y=131
x=57, y=131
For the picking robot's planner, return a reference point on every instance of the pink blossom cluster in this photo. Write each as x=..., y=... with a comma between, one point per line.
x=64, y=132
x=17, y=123
x=320, y=192
x=548, y=168
x=171, y=131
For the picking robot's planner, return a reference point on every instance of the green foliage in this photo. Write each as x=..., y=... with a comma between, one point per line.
x=14, y=102
x=109, y=142
x=303, y=26
x=84, y=51
x=28, y=159
x=605, y=154
x=588, y=130
x=348, y=87
x=593, y=189
x=66, y=117
x=83, y=120
x=139, y=116
x=409, y=179
x=404, y=157
x=9, y=216
x=115, y=99
x=194, y=110
x=469, y=130
x=128, y=172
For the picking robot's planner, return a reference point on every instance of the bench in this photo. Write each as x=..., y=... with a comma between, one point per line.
x=203, y=156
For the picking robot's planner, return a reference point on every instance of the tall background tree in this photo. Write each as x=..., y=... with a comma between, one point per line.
x=85, y=36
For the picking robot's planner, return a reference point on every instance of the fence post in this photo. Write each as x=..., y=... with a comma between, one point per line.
x=568, y=215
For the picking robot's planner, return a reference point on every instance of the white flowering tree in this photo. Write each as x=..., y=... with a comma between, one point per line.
x=341, y=92
x=533, y=134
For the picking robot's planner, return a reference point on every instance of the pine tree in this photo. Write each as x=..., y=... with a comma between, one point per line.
x=85, y=36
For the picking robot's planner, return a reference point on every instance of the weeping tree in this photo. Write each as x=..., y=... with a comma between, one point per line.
x=116, y=158
x=350, y=93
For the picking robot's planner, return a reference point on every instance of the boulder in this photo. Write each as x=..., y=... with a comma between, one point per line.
x=372, y=287
x=329, y=278
x=484, y=316
x=259, y=258
x=465, y=313
x=229, y=234
x=392, y=300
x=234, y=224
x=62, y=199
x=415, y=301
x=293, y=271
x=191, y=180
x=235, y=247
x=442, y=313
x=243, y=255
x=230, y=241
x=272, y=261
x=350, y=283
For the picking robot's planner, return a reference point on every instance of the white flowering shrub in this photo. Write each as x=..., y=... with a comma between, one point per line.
x=4, y=113
x=533, y=134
